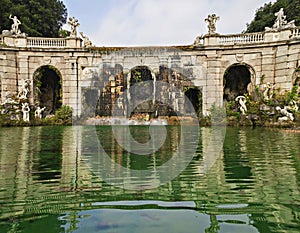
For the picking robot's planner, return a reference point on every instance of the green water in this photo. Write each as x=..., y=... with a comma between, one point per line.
x=47, y=185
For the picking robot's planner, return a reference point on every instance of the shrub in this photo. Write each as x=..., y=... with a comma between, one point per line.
x=64, y=115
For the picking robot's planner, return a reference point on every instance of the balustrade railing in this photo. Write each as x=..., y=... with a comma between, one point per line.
x=295, y=33
x=242, y=38
x=46, y=42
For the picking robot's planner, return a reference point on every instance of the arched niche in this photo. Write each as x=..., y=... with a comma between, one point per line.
x=238, y=80
x=47, y=88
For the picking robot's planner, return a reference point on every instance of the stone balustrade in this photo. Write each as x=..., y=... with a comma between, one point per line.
x=38, y=42
x=241, y=38
x=295, y=33
x=252, y=38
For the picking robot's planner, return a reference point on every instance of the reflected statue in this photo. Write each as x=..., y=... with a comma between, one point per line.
x=25, y=111
x=212, y=20
x=242, y=102
x=38, y=112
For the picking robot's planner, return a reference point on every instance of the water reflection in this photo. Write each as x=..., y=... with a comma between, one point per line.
x=251, y=186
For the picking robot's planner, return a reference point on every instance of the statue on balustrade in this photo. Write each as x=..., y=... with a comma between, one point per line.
x=86, y=41
x=15, y=26
x=212, y=20
x=15, y=31
x=74, y=24
x=281, y=22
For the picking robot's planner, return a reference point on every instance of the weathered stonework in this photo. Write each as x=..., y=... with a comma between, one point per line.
x=274, y=54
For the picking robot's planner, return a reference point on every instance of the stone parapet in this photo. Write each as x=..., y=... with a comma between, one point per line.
x=40, y=42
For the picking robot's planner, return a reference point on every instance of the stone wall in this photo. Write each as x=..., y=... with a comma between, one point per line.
x=276, y=55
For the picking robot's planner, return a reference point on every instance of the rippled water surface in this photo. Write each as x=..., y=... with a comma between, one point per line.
x=48, y=182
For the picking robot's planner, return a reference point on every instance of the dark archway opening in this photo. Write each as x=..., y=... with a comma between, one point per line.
x=47, y=89
x=195, y=97
x=139, y=77
x=236, y=80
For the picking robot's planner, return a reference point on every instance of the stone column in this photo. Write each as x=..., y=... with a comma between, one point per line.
x=24, y=74
x=70, y=86
x=9, y=76
x=213, y=91
x=268, y=65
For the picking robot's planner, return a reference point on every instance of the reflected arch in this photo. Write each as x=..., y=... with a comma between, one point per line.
x=238, y=80
x=47, y=88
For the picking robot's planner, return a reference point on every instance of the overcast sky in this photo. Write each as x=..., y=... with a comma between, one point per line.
x=157, y=22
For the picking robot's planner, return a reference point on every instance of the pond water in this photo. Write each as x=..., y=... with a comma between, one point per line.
x=47, y=183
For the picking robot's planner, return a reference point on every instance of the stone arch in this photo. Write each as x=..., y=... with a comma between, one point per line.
x=47, y=88
x=136, y=76
x=238, y=79
x=194, y=94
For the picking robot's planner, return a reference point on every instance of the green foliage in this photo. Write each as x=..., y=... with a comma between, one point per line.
x=137, y=75
x=265, y=15
x=38, y=17
x=64, y=115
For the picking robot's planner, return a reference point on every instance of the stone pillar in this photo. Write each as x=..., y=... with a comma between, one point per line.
x=24, y=74
x=9, y=74
x=70, y=85
x=210, y=40
x=281, y=77
x=268, y=65
x=74, y=42
x=15, y=41
x=213, y=90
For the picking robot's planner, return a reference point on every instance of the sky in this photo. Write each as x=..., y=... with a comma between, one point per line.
x=157, y=22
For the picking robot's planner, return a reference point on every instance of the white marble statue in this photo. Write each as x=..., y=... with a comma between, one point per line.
x=24, y=89
x=74, y=24
x=268, y=92
x=242, y=102
x=286, y=115
x=86, y=41
x=293, y=105
x=9, y=100
x=15, y=26
x=212, y=20
x=281, y=22
x=25, y=111
x=198, y=40
x=38, y=112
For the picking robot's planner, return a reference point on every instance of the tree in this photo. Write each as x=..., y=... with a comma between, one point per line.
x=265, y=15
x=38, y=17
